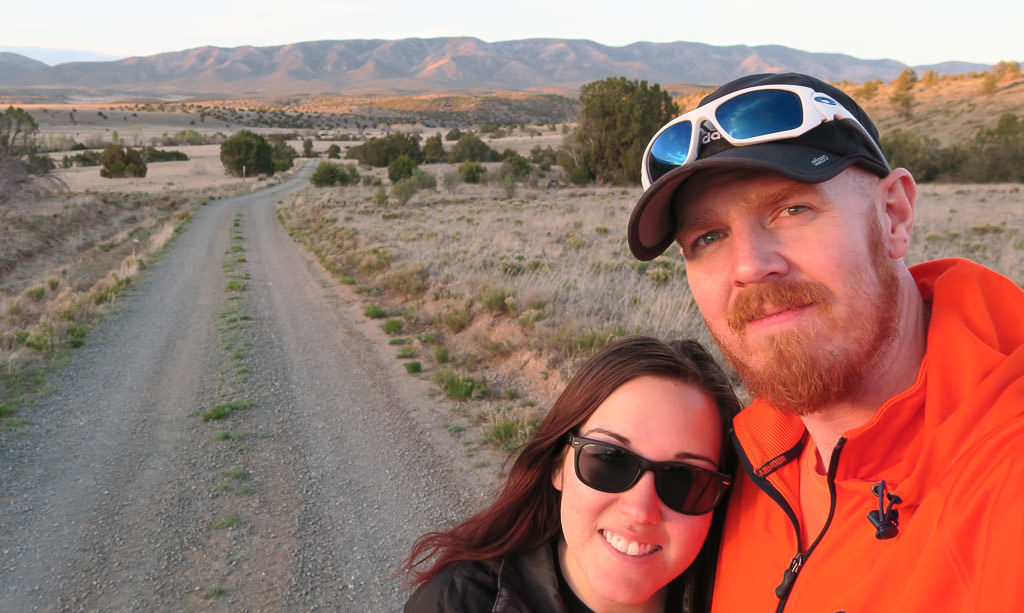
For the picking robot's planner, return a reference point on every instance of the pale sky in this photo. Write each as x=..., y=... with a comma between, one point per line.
x=915, y=33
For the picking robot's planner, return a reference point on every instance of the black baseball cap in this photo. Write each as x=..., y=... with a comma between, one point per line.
x=813, y=157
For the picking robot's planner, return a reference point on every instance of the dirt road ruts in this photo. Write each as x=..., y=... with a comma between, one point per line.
x=114, y=496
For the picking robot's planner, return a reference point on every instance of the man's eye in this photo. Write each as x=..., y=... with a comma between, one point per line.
x=707, y=239
x=796, y=209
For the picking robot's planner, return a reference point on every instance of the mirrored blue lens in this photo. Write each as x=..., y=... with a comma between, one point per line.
x=669, y=150
x=760, y=112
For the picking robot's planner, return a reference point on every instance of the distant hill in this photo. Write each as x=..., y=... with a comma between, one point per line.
x=416, y=65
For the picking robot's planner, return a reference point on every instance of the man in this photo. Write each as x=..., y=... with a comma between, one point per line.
x=884, y=450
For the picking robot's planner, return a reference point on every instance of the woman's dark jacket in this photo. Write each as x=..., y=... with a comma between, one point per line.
x=517, y=583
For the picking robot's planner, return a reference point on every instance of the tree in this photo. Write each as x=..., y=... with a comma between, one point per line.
x=21, y=171
x=433, y=150
x=333, y=152
x=471, y=148
x=616, y=120
x=307, y=148
x=17, y=133
x=453, y=135
x=246, y=152
x=281, y=153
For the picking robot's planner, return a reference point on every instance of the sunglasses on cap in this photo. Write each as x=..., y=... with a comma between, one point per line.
x=684, y=488
x=760, y=114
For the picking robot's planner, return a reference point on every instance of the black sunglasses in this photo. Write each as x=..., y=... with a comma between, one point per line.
x=684, y=488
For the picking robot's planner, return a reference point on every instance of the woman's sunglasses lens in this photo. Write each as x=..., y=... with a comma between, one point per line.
x=674, y=484
x=760, y=112
x=669, y=150
x=606, y=468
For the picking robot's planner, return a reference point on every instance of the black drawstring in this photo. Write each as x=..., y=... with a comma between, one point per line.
x=886, y=518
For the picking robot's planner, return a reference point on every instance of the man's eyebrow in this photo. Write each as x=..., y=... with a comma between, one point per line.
x=751, y=201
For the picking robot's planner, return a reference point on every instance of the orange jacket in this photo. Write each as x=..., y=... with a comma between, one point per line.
x=951, y=447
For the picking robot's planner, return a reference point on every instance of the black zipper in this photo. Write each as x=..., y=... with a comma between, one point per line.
x=789, y=576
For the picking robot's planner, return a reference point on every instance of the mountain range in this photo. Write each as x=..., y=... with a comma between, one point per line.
x=421, y=65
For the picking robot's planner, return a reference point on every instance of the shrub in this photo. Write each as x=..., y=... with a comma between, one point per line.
x=120, y=162
x=461, y=387
x=246, y=153
x=326, y=174
x=453, y=135
x=152, y=154
x=404, y=190
x=457, y=320
x=374, y=312
x=471, y=148
x=413, y=367
x=471, y=172
x=380, y=196
x=433, y=150
x=333, y=152
x=392, y=325
x=401, y=167
x=380, y=152
x=40, y=164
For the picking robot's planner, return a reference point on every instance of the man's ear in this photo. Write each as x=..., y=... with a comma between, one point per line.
x=898, y=192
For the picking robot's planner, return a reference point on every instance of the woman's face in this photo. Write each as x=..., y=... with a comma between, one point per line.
x=625, y=547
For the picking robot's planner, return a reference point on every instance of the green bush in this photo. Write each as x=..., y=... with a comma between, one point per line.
x=433, y=150
x=404, y=190
x=152, y=154
x=120, y=162
x=471, y=148
x=374, y=312
x=333, y=152
x=471, y=172
x=326, y=174
x=40, y=163
x=401, y=167
x=380, y=152
x=461, y=387
x=392, y=325
x=246, y=153
x=413, y=367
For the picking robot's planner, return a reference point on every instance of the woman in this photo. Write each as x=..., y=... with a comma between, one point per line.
x=609, y=503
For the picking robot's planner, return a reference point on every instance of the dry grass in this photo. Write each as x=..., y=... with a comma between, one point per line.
x=520, y=289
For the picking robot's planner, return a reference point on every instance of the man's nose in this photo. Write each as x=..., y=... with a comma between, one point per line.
x=757, y=256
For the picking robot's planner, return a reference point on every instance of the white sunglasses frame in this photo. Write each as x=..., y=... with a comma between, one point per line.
x=818, y=108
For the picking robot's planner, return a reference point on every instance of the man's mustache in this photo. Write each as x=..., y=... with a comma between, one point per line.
x=778, y=295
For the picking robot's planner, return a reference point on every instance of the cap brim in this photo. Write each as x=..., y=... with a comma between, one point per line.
x=652, y=225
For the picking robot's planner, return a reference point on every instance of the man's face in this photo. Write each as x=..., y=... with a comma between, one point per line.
x=794, y=281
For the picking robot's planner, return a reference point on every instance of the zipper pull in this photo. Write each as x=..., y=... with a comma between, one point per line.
x=789, y=576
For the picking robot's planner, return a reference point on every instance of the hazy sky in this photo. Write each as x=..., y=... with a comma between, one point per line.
x=915, y=33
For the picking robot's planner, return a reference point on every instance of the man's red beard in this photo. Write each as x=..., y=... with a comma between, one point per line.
x=805, y=370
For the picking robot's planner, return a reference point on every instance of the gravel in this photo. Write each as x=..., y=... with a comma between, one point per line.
x=108, y=494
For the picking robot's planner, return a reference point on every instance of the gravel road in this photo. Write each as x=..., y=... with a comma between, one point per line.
x=113, y=497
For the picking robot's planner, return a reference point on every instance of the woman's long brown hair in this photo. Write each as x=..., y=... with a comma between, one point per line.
x=526, y=512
